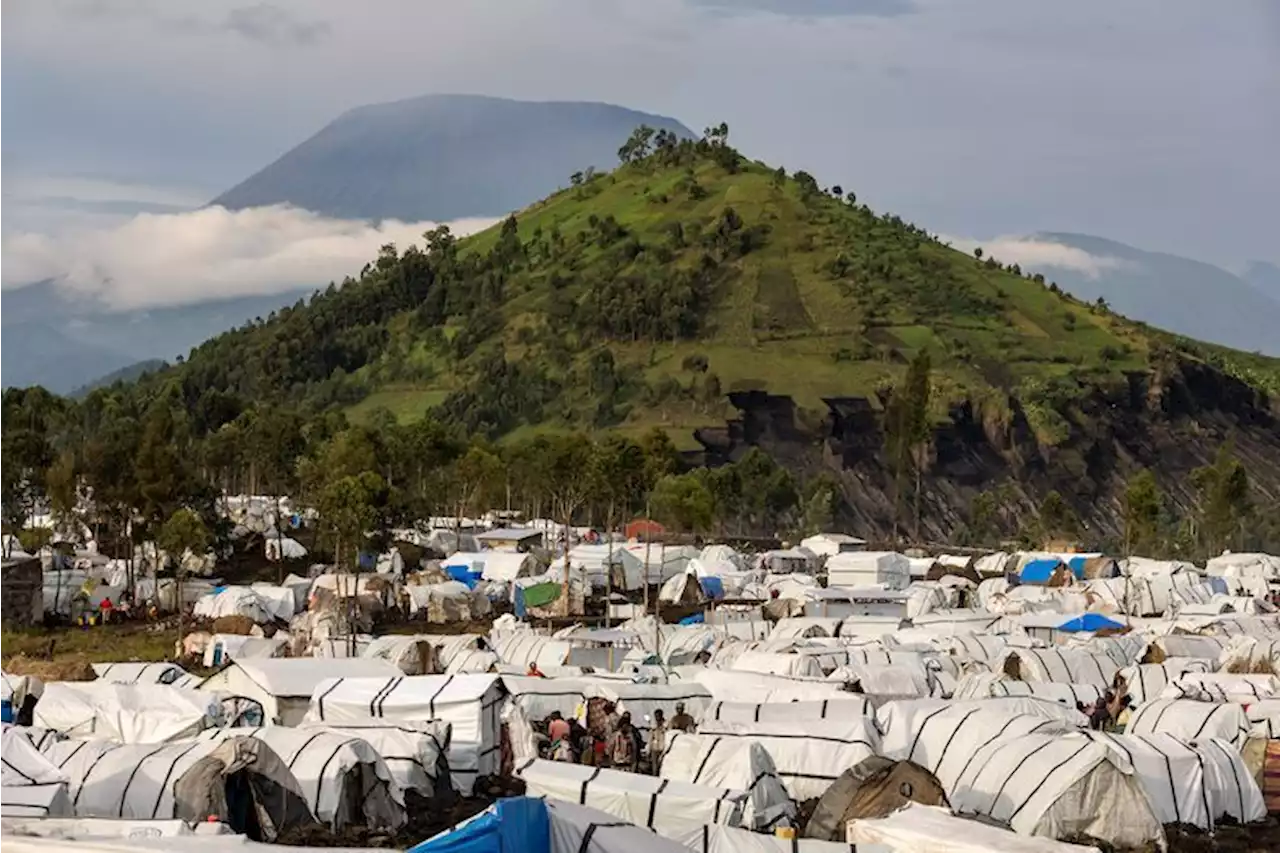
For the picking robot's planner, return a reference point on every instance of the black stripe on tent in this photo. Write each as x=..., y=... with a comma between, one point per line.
x=431, y=703
x=320, y=698
x=320, y=779
x=706, y=838
x=582, y=793
x=1205, y=722
x=911, y=753
x=108, y=669
x=373, y=703
x=653, y=802
x=1043, y=779
x=1235, y=774
x=823, y=716
x=703, y=766
x=1164, y=709
x=164, y=786
x=16, y=770
x=382, y=702
x=72, y=754
x=591, y=830
x=306, y=743
x=75, y=801
x=124, y=794
x=947, y=746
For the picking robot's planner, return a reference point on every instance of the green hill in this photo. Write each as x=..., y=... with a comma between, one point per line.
x=732, y=304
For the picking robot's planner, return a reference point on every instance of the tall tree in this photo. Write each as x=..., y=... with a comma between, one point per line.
x=1225, y=503
x=569, y=485
x=1143, y=507
x=682, y=502
x=183, y=532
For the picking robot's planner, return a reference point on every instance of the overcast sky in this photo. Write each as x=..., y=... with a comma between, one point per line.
x=1153, y=122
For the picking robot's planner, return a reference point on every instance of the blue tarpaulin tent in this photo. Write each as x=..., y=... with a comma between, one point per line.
x=1039, y=571
x=513, y=825
x=695, y=619
x=464, y=574
x=712, y=587
x=1076, y=564
x=1089, y=622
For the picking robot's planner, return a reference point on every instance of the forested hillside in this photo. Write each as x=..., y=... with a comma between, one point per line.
x=827, y=363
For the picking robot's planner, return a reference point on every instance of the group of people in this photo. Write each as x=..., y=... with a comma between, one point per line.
x=611, y=739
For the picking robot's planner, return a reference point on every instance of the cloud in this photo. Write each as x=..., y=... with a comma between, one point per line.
x=1034, y=254
x=265, y=23
x=811, y=8
x=177, y=259
x=270, y=24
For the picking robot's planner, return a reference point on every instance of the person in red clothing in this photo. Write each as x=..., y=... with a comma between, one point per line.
x=105, y=608
x=534, y=672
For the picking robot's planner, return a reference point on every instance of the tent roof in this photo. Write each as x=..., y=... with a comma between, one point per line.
x=300, y=676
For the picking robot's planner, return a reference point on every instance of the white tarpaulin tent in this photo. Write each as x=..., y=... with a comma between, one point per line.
x=930, y=829
x=185, y=780
x=225, y=647
x=756, y=687
x=1147, y=680
x=262, y=608
x=522, y=648
x=1058, y=785
x=1196, y=783
x=869, y=568
x=415, y=753
x=1063, y=665
x=471, y=704
x=127, y=713
x=539, y=697
x=344, y=779
x=283, y=686
x=666, y=807
x=781, y=712
x=727, y=839
x=135, y=672
x=641, y=700
x=1190, y=720
x=1222, y=687
x=920, y=730
x=31, y=785
x=773, y=663
x=808, y=758
x=734, y=764
x=985, y=685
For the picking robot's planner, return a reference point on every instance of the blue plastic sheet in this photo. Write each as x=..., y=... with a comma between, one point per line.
x=712, y=587
x=1089, y=622
x=1039, y=571
x=515, y=825
x=695, y=619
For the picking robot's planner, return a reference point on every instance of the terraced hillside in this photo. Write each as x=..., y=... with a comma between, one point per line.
x=733, y=304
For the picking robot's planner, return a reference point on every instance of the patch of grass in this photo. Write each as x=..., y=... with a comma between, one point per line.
x=406, y=402
x=99, y=644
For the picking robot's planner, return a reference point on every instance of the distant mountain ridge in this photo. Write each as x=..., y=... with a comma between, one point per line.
x=1180, y=294
x=66, y=343
x=440, y=157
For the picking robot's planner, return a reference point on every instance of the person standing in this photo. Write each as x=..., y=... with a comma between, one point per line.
x=622, y=746
x=682, y=722
x=657, y=741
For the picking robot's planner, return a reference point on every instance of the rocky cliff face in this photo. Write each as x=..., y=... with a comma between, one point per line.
x=1171, y=422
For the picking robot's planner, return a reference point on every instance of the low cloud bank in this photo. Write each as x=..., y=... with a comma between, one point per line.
x=1030, y=253
x=181, y=258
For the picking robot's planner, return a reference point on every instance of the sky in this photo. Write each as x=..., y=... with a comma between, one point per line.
x=1152, y=122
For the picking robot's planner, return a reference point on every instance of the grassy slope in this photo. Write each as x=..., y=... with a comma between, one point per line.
x=782, y=322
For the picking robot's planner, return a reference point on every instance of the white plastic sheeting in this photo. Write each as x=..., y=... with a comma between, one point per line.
x=1146, y=681
x=987, y=685
x=1063, y=665
x=781, y=712
x=126, y=713
x=138, y=781
x=522, y=648
x=666, y=807
x=261, y=607
x=344, y=779
x=930, y=829
x=31, y=785
x=808, y=758
x=1197, y=783
x=134, y=672
x=225, y=647
x=733, y=764
x=772, y=663
x=1190, y=720
x=539, y=697
x=755, y=687
x=581, y=829
x=415, y=753
x=1222, y=687
x=869, y=568
x=283, y=686
x=1057, y=785
x=471, y=704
